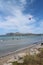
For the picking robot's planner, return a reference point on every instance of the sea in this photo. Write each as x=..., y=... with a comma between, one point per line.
x=13, y=43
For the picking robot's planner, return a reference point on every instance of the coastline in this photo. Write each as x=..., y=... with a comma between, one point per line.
x=19, y=50
x=5, y=58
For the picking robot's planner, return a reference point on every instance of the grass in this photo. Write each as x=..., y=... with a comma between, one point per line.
x=32, y=60
x=14, y=63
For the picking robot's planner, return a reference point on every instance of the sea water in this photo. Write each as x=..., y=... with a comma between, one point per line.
x=12, y=43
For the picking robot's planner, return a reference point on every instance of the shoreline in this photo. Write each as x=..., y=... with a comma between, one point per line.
x=19, y=50
x=5, y=58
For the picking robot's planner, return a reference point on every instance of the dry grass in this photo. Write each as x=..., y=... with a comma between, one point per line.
x=32, y=60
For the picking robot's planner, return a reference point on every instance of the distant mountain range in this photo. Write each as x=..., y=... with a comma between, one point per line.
x=19, y=34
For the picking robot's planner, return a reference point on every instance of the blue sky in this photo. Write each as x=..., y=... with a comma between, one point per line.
x=15, y=14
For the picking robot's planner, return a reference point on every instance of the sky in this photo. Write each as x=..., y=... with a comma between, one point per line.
x=15, y=16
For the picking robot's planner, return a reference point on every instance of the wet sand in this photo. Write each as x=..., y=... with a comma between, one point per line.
x=5, y=58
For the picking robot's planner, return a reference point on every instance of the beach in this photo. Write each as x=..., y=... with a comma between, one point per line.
x=9, y=48
x=25, y=50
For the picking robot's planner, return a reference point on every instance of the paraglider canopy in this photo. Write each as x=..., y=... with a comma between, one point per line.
x=29, y=18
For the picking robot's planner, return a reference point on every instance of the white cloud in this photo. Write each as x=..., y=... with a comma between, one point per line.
x=16, y=20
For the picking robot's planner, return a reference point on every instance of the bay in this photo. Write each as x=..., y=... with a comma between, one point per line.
x=12, y=43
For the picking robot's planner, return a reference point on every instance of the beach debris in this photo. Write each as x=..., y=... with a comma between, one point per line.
x=41, y=43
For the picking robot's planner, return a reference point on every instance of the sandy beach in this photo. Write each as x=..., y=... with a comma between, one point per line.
x=26, y=50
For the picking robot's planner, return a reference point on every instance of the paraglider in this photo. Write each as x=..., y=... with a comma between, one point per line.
x=29, y=18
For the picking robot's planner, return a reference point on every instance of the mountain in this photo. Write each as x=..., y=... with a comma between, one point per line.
x=20, y=34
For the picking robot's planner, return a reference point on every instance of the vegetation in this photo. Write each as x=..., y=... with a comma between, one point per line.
x=32, y=59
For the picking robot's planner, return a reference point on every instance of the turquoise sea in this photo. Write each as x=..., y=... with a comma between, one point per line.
x=12, y=43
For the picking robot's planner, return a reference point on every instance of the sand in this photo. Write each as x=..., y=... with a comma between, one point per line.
x=26, y=50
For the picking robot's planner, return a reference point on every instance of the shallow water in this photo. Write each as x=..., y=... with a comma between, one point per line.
x=13, y=43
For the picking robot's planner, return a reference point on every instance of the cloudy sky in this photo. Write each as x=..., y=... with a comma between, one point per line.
x=25, y=16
